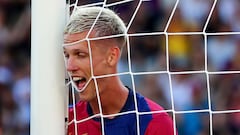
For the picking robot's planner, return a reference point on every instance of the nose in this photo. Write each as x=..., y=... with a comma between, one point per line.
x=71, y=65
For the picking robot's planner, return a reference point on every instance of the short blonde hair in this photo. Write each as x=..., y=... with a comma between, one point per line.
x=107, y=24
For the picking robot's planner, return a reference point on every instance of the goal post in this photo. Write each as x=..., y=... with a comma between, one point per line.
x=48, y=92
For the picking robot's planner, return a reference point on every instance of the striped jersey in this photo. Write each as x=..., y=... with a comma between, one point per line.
x=124, y=124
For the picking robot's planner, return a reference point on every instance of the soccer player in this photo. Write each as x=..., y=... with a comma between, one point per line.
x=90, y=54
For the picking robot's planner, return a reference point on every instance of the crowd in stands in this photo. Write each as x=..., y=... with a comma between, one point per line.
x=204, y=91
x=15, y=67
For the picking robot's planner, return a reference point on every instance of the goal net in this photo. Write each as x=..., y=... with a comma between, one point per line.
x=185, y=56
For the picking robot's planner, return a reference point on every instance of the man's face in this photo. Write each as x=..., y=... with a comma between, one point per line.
x=78, y=63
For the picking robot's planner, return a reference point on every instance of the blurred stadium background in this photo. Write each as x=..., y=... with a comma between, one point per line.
x=15, y=45
x=148, y=53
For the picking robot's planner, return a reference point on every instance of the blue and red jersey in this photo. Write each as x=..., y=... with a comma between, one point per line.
x=125, y=124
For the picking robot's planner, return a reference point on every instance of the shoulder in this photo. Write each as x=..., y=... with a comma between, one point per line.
x=77, y=106
x=153, y=106
x=161, y=122
x=81, y=111
x=145, y=104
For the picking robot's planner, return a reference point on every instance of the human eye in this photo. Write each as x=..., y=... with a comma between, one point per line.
x=66, y=55
x=81, y=54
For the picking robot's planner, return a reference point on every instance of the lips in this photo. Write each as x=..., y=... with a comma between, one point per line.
x=80, y=82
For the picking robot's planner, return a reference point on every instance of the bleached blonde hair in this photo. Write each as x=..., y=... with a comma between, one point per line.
x=108, y=23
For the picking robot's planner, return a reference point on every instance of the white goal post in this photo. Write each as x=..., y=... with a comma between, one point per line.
x=48, y=91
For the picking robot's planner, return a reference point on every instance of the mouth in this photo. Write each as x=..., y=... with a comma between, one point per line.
x=80, y=82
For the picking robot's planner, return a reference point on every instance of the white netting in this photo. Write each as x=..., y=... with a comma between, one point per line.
x=182, y=54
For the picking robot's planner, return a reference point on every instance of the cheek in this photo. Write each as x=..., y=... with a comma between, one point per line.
x=84, y=64
x=99, y=66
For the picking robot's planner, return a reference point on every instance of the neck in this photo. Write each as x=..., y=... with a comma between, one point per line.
x=113, y=97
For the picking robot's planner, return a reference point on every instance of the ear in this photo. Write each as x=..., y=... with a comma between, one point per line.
x=113, y=56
